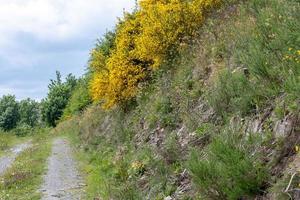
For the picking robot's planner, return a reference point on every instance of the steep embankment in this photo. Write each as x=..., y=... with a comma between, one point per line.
x=219, y=121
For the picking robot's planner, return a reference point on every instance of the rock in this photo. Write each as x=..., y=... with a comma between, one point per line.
x=283, y=127
x=168, y=198
x=255, y=126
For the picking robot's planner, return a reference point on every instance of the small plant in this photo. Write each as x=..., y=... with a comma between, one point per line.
x=171, y=151
x=231, y=94
x=137, y=167
x=204, y=129
x=228, y=168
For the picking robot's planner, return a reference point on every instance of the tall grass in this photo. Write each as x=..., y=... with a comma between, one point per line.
x=267, y=52
x=229, y=168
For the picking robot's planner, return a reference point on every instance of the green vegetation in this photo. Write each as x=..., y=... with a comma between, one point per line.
x=23, y=179
x=57, y=99
x=16, y=114
x=209, y=111
x=9, y=115
x=191, y=124
x=266, y=59
x=8, y=140
x=29, y=112
x=229, y=167
x=79, y=99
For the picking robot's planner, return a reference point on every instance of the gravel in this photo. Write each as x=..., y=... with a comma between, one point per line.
x=62, y=180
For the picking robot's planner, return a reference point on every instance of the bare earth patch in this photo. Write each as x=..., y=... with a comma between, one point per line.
x=62, y=180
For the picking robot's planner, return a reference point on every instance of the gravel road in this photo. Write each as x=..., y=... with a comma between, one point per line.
x=7, y=160
x=62, y=180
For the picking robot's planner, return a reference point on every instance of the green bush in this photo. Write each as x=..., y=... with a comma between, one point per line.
x=23, y=130
x=171, y=152
x=57, y=99
x=9, y=112
x=229, y=168
x=165, y=112
x=79, y=99
x=29, y=112
x=232, y=93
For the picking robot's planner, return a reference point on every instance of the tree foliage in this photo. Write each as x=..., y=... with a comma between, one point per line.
x=29, y=112
x=142, y=43
x=9, y=112
x=57, y=99
x=79, y=99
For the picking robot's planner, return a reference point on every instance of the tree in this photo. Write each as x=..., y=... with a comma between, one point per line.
x=57, y=98
x=29, y=112
x=9, y=112
x=79, y=99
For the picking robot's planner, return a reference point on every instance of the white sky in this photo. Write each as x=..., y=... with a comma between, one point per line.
x=38, y=37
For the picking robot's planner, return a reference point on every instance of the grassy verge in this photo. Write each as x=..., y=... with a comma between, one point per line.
x=23, y=179
x=8, y=140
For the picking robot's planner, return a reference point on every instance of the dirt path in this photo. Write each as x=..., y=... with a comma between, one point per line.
x=7, y=160
x=62, y=180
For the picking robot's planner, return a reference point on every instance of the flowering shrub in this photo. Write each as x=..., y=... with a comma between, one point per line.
x=117, y=76
x=143, y=42
x=165, y=24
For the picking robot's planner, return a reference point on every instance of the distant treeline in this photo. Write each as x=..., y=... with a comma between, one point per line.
x=64, y=98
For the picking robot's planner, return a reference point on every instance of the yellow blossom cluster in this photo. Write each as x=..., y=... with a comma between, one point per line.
x=293, y=55
x=143, y=42
x=137, y=165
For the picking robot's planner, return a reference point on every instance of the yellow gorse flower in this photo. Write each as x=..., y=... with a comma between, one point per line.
x=137, y=165
x=142, y=44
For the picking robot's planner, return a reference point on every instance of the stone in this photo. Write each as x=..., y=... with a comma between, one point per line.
x=283, y=127
x=168, y=198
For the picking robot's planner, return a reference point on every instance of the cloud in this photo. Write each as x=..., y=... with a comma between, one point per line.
x=38, y=37
x=23, y=89
x=58, y=19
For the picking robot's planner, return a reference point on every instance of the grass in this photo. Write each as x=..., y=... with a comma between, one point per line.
x=278, y=190
x=102, y=169
x=24, y=178
x=229, y=168
x=113, y=167
x=235, y=69
x=267, y=59
x=8, y=140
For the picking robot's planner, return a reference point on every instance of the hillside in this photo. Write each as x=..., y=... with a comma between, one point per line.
x=220, y=120
x=182, y=100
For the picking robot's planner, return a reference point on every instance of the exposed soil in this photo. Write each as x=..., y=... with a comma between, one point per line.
x=62, y=180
